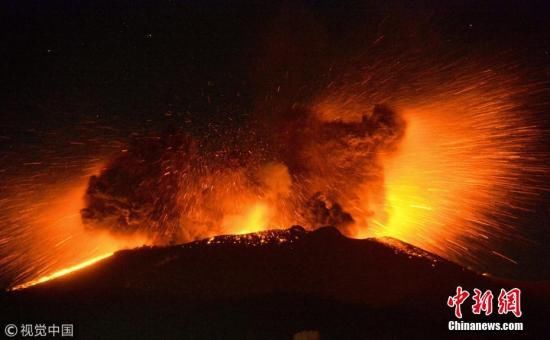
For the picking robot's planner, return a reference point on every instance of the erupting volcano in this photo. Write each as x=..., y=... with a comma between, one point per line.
x=369, y=169
x=306, y=171
x=213, y=154
x=343, y=160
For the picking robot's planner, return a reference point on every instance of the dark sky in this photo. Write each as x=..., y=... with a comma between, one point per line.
x=76, y=76
x=139, y=59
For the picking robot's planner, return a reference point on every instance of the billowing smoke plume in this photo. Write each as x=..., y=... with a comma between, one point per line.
x=293, y=162
x=305, y=170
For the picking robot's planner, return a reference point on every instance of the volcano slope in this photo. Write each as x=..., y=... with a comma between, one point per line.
x=267, y=285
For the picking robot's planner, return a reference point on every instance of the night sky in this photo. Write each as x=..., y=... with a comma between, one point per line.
x=68, y=61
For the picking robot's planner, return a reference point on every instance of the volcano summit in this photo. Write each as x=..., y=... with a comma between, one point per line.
x=271, y=284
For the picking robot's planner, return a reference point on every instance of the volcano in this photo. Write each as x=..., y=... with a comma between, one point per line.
x=270, y=284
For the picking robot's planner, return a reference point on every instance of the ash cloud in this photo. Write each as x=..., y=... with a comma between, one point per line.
x=290, y=163
x=302, y=169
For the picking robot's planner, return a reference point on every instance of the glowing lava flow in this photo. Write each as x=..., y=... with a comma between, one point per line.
x=61, y=272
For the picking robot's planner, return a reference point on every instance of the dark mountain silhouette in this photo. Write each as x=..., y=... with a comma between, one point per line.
x=269, y=285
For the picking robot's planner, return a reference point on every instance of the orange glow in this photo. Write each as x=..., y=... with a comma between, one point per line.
x=462, y=165
x=255, y=218
x=431, y=183
x=59, y=243
x=62, y=272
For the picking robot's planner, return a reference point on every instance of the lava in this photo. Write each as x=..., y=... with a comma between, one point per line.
x=61, y=272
